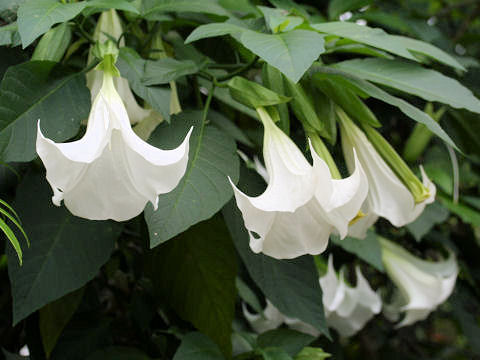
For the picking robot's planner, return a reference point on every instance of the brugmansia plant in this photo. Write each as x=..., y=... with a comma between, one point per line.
x=276, y=180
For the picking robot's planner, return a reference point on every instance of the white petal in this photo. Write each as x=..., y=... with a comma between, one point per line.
x=269, y=320
x=135, y=112
x=341, y=199
x=301, y=326
x=359, y=228
x=423, y=284
x=284, y=235
x=388, y=197
x=291, y=179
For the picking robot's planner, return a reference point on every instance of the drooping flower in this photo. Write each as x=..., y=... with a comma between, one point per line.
x=388, y=196
x=271, y=318
x=348, y=309
x=110, y=173
x=422, y=284
x=302, y=204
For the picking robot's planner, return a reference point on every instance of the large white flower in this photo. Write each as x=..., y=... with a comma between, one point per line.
x=110, y=173
x=348, y=309
x=109, y=27
x=387, y=197
x=302, y=204
x=423, y=284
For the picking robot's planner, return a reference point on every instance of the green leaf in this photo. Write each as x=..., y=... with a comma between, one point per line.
x=124, y=5
x=204, y=188
x=364, y=87
x=413, y=79
x=348, y=101
x=338, y=7
x=367, y=249
x=292, y=52
x=278, y=20
x=150, y=7
x=399, y=45
x=213, y=30
x=291, y=285
x=223, y=94
x=118, y=353
x=248, y=296
x=290, y=341
x=197, y=346
x=465, y=212
x=302, y=106
x=310, y=353
x=53, y=44
x=133, y=67
x=432, y=215
x=229, y=127
x=253, y=94
x=9, y=35
x=42, y=91
x=65, y=253
x=165, y=70
x=195, y=274
x=36, y=17
x=273, y=79
x=55, y=316
x=7, y=231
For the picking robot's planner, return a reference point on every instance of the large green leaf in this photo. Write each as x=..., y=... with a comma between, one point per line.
x=150, y=7
x=365, y=88
x=195, y=273
x=35, y=17
x=204, y=188
x=36, y=91
x=55, y=316
x=65, y=252
x=197, y=346
x=133, y=68
x=291, y=285
x=399, y=45
x=367, y=249
x=411, y=78
x=292, y=52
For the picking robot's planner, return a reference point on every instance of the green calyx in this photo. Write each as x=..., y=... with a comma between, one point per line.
x=419, y=191
x=108, y=53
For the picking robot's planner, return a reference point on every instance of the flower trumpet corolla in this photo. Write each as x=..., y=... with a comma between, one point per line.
x=423, y=285
x=348, y=309
x=302, y=204
x=388, y=196
x=109, y=27
x=110, y=173
x=271, y=318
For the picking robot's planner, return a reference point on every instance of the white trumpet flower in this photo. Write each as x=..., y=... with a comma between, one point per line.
x=110, y=173
x=388, y=197
x=302, y=204
x=422, y=284
x=348, y=309
x=109, y=27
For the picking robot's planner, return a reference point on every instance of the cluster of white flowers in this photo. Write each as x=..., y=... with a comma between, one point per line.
x=111, y=173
